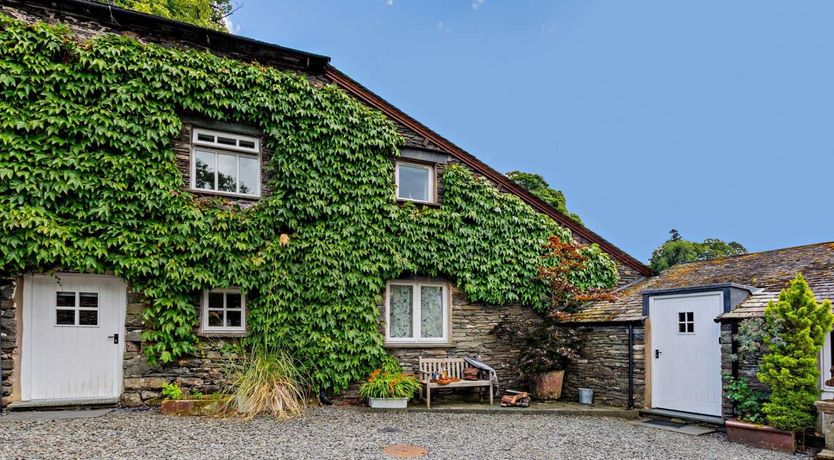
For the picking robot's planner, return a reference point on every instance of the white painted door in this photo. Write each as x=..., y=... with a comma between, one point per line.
x=69, y=348
x=686, y=355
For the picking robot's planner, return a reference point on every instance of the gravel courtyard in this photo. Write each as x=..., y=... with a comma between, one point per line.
x=351, y=433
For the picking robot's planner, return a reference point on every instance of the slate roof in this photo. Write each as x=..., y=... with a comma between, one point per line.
x=770, y=271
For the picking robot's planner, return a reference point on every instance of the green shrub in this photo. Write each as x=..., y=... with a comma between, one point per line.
x=796, y=327
x=172, y=391
x=747, y=402
x=389, y=382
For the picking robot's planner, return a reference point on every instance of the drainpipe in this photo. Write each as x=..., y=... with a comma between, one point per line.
x=630, y=366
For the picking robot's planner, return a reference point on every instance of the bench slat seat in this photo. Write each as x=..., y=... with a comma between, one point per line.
x=454, y=368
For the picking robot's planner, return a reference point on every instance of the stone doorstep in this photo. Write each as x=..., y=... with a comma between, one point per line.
x=52, y=404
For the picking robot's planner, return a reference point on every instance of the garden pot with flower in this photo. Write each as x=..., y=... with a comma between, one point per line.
x=389, y=387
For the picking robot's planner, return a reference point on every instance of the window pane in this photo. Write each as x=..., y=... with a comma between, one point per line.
x=401, y=311
x=690, y=327
x=431, y=311
x=233, y=318
x=226, y=141
x=205, y=137
x=88, y=299
x=204, y=170
x=414, y=182
x=215, y=318
x=215, y=300
x=681, y=327
x=690, y=316
x=246, y=144
x=232, y=300
x=681, y=316
x=88, y=317
x=65, y=317
x=226, y=173
x=65, y=299
x=249, y=176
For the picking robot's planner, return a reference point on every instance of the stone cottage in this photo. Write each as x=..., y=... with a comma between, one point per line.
x=77, y=337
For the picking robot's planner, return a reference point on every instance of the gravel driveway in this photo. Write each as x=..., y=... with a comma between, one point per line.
x=353, y=433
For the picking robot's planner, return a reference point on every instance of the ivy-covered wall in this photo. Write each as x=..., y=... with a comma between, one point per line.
x=89, y=183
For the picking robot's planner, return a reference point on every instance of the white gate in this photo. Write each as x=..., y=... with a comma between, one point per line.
x=686, y=354
x=73, y=337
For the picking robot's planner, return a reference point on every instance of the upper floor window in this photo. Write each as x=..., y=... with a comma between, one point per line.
x=415, y=182
x=226, y=163
x=416, y=312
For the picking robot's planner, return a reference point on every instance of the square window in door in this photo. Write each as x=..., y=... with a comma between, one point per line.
x=686, y=322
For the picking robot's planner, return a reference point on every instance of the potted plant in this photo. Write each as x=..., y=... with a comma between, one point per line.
x=794, y=330
x=388, y=387
x=192, y=402
x=546, y=352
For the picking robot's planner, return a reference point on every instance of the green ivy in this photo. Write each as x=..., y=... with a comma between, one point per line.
x=89, y=183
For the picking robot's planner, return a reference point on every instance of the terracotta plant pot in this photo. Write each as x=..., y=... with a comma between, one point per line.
x=761, y=436
x=549, y=385
x=192, y=406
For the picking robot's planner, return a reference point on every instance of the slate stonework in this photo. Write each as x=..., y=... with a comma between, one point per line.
x=603, y=365
x=9, y=338
x=744, y=369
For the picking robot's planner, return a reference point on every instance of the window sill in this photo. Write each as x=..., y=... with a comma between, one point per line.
x=418, y=345
x=198, y=191
x=431, y=204
x=222, y=334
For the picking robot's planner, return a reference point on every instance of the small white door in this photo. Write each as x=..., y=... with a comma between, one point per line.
x=686, y=355
x=70, y=345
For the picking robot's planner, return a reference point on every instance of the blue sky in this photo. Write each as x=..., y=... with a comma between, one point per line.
x=712, y=117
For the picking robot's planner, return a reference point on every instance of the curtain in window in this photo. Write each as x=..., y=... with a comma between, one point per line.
x=431, y=311
x=401, y=311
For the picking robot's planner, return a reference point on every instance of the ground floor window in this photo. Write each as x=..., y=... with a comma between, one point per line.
x=223, y=310
x=416, y=312
x=825, y=362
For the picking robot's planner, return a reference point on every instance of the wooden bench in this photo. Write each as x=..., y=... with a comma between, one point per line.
x=454, y=368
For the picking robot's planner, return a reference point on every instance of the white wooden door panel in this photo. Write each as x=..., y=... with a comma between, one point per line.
x=68, y=347
x=686, y=354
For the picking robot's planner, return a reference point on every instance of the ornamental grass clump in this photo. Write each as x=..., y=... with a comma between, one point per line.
x=796, y=327
x=389, y=382
x=267, y=382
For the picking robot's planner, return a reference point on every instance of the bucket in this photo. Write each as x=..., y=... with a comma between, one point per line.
x=586, y=396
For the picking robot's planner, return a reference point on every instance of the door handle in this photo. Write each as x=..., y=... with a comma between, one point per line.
x=115, y=338
x=656, y=353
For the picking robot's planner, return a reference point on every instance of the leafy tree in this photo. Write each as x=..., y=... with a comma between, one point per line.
x=796, y=326
x=203, y=13
x=535, y=184
x=677, y=250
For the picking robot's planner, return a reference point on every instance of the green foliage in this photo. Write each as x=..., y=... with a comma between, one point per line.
x=677, y=250
x=195, y=394
x=89, y=183
x=746, y=401
x=172, y=391
x=796, y=327
x=535, y=184
x=203, y=13
x=750, y=339
x=389, y=382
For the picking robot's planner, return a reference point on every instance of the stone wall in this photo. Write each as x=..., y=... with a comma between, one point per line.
x=745, y=369
x=205, y=370
x=9, y=339
x=603, y=365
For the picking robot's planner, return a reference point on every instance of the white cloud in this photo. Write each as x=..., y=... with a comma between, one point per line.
x=389, y=2
x=548, y=28
x=441, y=26
x=477, y=4
x=233, y=28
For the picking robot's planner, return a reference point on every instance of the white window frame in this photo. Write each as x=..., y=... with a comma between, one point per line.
x=235, y=151
x=431, y=193
x=204, y=314
x=77, y=309
x=195, y=140
x=825, y=364
x=416, y=313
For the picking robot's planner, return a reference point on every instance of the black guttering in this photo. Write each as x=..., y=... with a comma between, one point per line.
x=129, y=20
